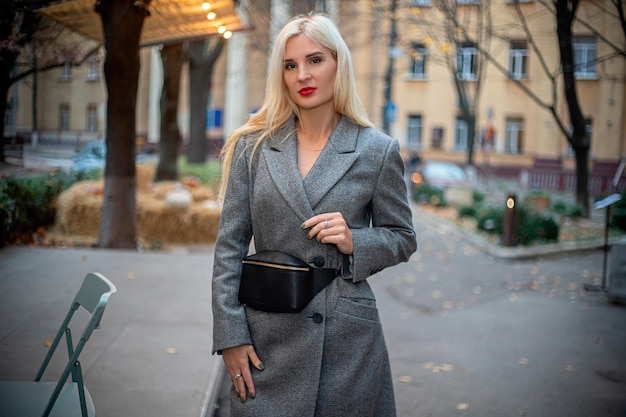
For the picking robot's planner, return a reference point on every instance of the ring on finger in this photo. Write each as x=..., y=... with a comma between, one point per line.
x=326, y=224
x=236, y=376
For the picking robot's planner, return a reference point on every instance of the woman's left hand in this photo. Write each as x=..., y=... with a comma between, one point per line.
x=331, y=228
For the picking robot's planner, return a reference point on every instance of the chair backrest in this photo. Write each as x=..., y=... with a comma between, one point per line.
x=93, y=296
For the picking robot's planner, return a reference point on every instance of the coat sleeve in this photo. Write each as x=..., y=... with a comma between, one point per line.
x=391, y=238
x=230, y=326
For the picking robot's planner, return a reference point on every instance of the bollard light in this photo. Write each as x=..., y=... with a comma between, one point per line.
x=508, y=229
x=510, y=202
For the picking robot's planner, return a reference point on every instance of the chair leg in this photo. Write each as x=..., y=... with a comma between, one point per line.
x=77, y=376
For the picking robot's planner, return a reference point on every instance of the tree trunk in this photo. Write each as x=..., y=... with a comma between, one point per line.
x=122, y=21
x=202, y=55
x=578, y=138
x=167, y=169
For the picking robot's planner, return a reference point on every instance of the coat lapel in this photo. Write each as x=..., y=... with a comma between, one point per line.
x=336, y=158
x=334, y=161
x=282, y=163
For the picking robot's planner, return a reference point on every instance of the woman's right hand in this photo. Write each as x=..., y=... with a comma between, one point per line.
x=237, y=360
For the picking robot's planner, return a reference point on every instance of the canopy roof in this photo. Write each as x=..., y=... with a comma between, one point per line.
x=169, y=21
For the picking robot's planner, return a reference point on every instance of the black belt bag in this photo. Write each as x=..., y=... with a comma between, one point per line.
x=280, y=283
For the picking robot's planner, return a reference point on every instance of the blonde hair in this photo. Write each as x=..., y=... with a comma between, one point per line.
x=278, y=108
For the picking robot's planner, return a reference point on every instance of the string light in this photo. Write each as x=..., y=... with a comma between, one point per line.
x=211, y=15
x=206, y=6
x=228, y=34
x=221, y=29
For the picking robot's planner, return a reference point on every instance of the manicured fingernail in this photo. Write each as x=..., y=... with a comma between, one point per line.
x=309, y=236
x=302, y=226
x=243, y=400
x=261, y=366
x=252, y=396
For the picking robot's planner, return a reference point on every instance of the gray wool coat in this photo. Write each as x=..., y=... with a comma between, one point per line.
x=330, y=360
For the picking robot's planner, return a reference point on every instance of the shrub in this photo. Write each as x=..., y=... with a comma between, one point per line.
x=490, y=219
x=468, y=211
x=429, y=194
x=28, y=203
x=478, y=197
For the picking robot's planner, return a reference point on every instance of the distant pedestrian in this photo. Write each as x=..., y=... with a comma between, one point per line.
x=308, y=176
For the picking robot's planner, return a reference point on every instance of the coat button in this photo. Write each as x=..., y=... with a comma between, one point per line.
x=319, y=261
x=318, y=318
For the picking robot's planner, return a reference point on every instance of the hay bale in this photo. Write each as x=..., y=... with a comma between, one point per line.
x=144, y=176
x=79, y=211
x=79, y=208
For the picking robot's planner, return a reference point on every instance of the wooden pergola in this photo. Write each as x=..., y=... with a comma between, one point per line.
x=169, y=21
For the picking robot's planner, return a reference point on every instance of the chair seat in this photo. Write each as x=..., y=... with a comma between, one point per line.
x=29, y=398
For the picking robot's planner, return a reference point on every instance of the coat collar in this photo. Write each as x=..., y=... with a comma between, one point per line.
x=333, y=162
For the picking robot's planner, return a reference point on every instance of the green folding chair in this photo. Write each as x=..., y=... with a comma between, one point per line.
x=61, y=398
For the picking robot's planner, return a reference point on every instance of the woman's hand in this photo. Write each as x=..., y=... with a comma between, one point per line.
x=331, y=228
x=237, y=360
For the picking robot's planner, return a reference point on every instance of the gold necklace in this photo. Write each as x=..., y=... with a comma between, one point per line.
x=309, y=149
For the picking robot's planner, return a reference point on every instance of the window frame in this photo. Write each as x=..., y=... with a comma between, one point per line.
x=415, y=131
x=514, y=133
x=467, y=62
x=418, y=58
x=518, y=60
x=585, y=67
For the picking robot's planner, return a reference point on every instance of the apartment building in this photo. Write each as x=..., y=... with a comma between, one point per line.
x=512, y=94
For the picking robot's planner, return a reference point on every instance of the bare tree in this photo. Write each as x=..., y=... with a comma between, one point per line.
x=572, y=126
x=30, y=44
x=170, y=141
x=202, y=55
x=459, y=35
x=122, y=22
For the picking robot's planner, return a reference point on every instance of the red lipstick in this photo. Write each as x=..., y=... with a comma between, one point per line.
x=306, y=91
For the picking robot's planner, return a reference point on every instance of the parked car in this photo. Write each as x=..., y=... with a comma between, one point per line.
x=439, y=174
x=91, y=156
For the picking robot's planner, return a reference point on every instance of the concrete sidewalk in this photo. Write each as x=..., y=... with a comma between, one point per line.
x=152, y=355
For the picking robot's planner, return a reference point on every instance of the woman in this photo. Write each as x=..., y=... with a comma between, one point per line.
x=309, y=176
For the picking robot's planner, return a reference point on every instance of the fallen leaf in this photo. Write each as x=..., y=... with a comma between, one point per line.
x=405, y=379
x=523, y=361
x=131, y=275
x=171, y=351
x=47, y=343
x=462, y=406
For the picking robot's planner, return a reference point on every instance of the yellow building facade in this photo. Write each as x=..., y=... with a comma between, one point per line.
x=521, y=81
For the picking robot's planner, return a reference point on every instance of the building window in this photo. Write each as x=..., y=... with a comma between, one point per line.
x=417, y=67
x=93, y=68
x=421, y=3
x=514, y=135
x=585, y=57
x=462, y=2
x=64, y=117
x=92, y=118
x=66, y=72
x=467, y=61
x=461, y=135
x=414, y=136
x=518, y=60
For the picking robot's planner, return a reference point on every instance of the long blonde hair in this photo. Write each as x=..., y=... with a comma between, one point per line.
x=278, y=107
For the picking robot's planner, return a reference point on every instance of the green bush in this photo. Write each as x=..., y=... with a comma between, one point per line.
x=490, y=219
x=468, y=211
x=207, y=173
x=532, y=226
x=429, y=194
x=28, y=203
x=478, y=197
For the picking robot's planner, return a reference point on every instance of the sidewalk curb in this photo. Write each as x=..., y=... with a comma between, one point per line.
x=519, y=252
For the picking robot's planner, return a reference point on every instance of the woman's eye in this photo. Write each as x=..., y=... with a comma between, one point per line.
x=290, y=65
x=316, y=60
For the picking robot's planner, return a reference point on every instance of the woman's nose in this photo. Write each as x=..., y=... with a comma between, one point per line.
x=303, y=73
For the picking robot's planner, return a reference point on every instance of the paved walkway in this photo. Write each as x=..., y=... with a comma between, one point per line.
x=152, y=355
x=453, y=309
